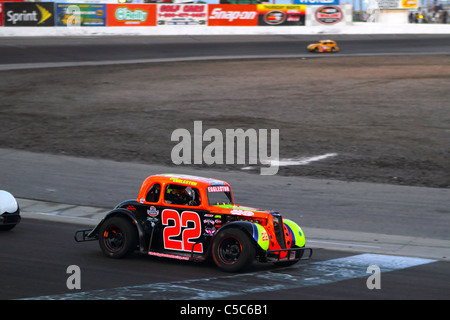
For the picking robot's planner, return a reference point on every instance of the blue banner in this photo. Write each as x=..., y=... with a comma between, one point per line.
x=317, y=2
x=84, y=15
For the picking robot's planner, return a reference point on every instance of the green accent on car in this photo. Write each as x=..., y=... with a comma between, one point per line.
x=233, y=206
x=261, y=236
x=298, y=232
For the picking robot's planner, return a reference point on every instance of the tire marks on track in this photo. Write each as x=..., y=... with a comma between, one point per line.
x=302, y=275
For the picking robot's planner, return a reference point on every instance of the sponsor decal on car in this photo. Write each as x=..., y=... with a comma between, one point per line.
x=152, y=212
x=242, y=212
x=219, y=189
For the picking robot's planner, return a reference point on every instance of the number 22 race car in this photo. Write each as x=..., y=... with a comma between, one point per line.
x=193, y=218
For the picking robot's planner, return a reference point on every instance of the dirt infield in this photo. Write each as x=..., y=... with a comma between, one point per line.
x=386, y=118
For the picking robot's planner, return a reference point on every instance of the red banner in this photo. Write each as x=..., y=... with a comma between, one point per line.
x=182, y=14
x=1, y=14
x=131, y=15
x=232, y=15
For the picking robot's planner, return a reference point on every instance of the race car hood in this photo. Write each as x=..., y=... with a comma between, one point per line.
x=241, y=210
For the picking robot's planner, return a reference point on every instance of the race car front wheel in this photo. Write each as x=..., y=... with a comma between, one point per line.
x=117, y=237
x=232, y=250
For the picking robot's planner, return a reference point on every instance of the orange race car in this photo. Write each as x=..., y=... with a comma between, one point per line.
x=192, y=218
x=323, y=46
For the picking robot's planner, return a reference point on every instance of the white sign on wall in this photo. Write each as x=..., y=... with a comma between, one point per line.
x=329, y=15
x=397, y=4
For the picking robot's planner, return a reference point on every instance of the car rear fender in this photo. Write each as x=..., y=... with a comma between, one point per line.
x=255, y=231
x=296, y=231
x=121, y=212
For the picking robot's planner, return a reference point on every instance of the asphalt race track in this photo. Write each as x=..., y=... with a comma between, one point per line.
x=41, y=274
x=403, y=230
x=134, y=49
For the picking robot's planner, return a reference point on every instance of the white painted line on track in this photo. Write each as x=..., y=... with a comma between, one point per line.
x=45, y=65
x=66, y=64
x=345, y=244
x=299, y=276
x=301, y=161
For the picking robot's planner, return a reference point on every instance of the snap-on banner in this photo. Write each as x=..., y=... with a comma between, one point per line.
x=82, y=15
x=27, y=14
x=232, y=15
x=131, y=15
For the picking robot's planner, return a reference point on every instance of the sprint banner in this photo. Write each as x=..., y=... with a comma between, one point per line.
x=26, y=14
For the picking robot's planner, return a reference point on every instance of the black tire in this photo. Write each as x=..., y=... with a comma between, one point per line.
x=233, y=250
x=117, y=237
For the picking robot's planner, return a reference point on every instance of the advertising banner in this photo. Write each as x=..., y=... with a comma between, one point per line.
x=27, y=14
x=131, y=15
x=83, y=15
x=281, y=15
x=182, y=14
x=329, y=15
x=1, y=14
x=317, y=2
x=232, y=15
x=397, y=4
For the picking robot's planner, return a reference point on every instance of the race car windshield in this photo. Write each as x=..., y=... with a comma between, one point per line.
x=218, y=195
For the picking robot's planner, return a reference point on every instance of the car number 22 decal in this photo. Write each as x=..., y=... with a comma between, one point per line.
x=187, y=224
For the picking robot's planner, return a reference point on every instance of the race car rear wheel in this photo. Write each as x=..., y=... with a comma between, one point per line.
x=232, y=250
x=117, y=237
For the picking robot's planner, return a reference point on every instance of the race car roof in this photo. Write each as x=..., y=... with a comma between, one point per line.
x=186, y=180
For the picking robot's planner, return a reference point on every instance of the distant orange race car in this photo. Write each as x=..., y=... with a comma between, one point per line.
x=323, y=46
